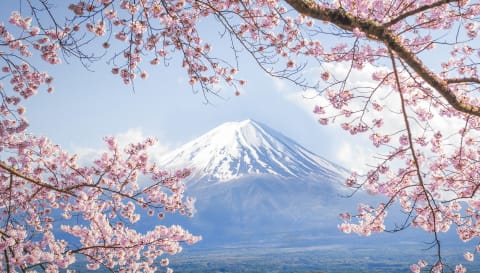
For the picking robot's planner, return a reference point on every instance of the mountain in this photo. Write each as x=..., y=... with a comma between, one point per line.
x=253, y=183
x=256, y=188
x=248, y=148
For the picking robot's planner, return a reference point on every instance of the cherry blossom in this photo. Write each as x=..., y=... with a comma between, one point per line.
x=46, y=194
x=107, y=199
x=418, y=77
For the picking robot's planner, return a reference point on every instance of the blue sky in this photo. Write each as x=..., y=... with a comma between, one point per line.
x=88, y=105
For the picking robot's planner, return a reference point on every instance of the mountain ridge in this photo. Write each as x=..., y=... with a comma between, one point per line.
x=282, y=195
x=252, y=183
x=247, y=148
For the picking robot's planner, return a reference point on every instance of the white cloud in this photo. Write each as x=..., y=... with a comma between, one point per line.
x=280, y=85
x=132, y=135
x=339, y=71
x=392, y=123
x=306, y=100
x=356, y=152
x=86, y=154
x=354, y=156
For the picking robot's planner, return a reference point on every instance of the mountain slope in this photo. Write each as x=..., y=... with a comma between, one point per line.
x=253, y=183
x=257, y=187
x=237, y=149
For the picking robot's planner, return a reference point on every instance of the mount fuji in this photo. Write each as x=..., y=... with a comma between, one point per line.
x=248, y=148
x=257, y=189
x=253, y=183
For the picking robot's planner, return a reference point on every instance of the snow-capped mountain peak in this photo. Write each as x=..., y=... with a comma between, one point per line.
x=238, y=149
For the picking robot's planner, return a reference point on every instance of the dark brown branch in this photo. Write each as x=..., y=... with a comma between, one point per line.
x=463, y=80
x=417, y=10
x=7, y=261
x=428, y=196
x=381, y=33
x=17, y=173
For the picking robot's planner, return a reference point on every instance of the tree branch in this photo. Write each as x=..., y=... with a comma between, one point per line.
x=17, y=173
x=463, y=80
x=428, y=195
x=383, y=34
x=415, y=11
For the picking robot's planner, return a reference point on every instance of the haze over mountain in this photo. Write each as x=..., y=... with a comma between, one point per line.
x=255, y=186
x=251, y=182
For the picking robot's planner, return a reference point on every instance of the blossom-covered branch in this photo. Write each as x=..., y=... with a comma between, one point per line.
x=418, y=105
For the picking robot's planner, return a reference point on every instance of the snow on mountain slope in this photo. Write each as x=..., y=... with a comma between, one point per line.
x=255, y=186
x=238, y=149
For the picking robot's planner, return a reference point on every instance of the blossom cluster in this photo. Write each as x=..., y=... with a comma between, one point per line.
x=99, y=205
x=430, y=170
